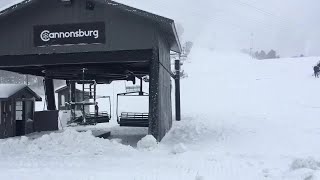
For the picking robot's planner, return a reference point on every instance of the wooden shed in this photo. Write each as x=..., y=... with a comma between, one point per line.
x=17, y=106
x=64, y=97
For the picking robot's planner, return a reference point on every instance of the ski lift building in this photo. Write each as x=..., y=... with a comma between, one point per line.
x=112, y=41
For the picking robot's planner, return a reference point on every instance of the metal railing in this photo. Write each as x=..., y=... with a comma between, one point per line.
x=132, y=115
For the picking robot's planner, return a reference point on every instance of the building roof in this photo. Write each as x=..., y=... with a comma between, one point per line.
x=9, y=90
x=166, y=24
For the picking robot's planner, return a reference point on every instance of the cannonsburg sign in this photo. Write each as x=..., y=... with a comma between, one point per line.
x=69, y=34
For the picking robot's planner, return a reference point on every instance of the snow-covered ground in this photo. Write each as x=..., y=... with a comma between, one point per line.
x=242, y=119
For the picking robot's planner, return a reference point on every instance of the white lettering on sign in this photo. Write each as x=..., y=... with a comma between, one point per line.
x=47, y=35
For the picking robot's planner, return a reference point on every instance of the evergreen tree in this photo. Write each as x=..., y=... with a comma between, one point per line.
x=263, y=54
x=187, y=47
x=256, y=55
x=272, y=54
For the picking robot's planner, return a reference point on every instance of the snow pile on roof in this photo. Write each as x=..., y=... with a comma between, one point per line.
x=67, y=143
x=8, y=3
x=7, y=90
x=5, y=4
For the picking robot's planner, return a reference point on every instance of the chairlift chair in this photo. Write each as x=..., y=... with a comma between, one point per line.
x=132, y=119
x=100, y=116
x=90, y=118
x=95, y=117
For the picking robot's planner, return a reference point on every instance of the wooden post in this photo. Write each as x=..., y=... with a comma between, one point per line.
x=49, y=91
x=72, y=98
x=83, y=100
x=96, y=107
x=141, y=90
x=154, y=108
x=160, y=105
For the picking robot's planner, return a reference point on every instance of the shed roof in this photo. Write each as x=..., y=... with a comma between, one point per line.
x=9, y=90
x=166, y=24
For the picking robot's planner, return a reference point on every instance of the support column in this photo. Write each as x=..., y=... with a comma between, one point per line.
x=154, y=107
x=49, y=91
x=141, y=89
x=177, y=90
x=73, y=98
x=160, y=104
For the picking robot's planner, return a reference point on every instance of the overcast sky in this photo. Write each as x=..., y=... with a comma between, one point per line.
x=291, y=27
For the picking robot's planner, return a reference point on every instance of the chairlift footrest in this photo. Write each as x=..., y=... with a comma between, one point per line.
x=134, y=119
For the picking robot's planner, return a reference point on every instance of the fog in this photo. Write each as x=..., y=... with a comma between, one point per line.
x=288, y=26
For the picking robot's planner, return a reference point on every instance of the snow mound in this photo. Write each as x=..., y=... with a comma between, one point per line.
x=179, y=148
x=308, y=163
x=147, y=143
x=185, y=132
x=189, y=131
x=300, y=174
x=66, y=143
x=198, y=177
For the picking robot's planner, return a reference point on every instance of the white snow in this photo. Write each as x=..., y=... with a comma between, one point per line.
x=8, y=90
x=242, y=119
x=68, y=143
x=179, y=148
x=4, y=4
x=147, y=143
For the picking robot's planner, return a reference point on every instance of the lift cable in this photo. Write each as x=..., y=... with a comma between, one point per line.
x=197, y=14
x=263, y=11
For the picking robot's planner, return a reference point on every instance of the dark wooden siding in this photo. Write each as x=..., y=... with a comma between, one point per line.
x=124, y=31
x=66, y=94
x=7, y=127
x=6, y=120
x=160, y=105
x=2, y=121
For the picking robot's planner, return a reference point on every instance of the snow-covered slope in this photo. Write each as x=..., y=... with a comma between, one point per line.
x=265, y=111
x=242, y=119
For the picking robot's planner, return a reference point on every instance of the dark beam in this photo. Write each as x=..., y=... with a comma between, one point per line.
x=49, y=91
x=177, y=90
x=128, y=56
x=154, y=108
x=72, y=97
